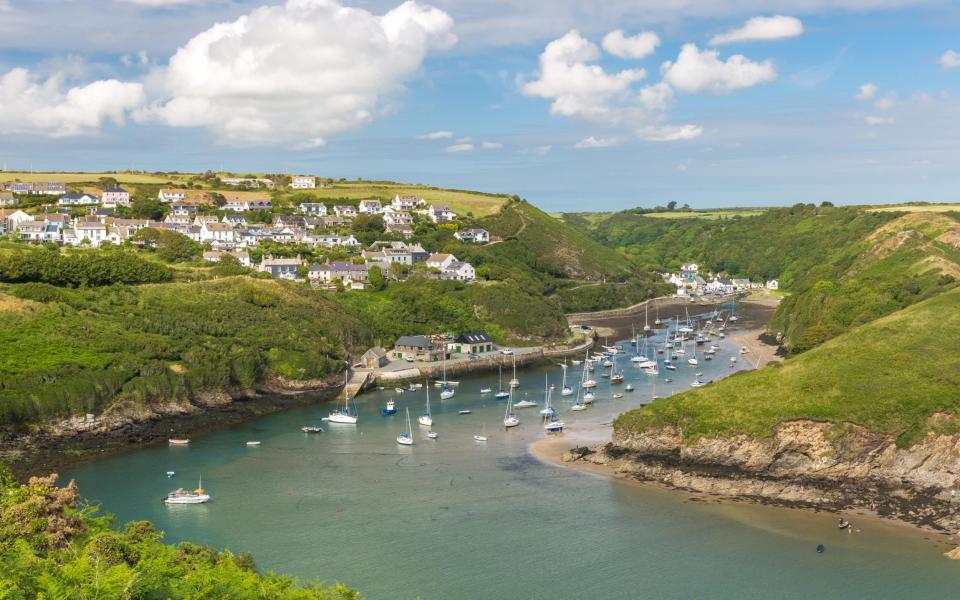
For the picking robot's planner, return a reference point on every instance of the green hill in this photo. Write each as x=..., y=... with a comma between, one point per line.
x=897, y=375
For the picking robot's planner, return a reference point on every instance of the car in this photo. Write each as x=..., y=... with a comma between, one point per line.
x=506, y=352
x=409, y=359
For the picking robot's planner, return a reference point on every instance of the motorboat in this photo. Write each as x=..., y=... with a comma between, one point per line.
x=182, y=496
x=617, y=396
x=433, y=435
x=485, y=390
x=390, y=408
x=465, y=412
x=554, y=426
x=309, y=429
x=178, y=441
x=253, y=443
x=629, y=388
x=171, y=474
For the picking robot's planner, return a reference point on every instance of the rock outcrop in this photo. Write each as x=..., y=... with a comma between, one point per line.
x=805, y=463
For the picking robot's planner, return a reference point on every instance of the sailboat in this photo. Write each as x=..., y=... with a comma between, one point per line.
x=565, y=390
x=692, y=361
x=182, y=496
x=343, y=416
x=501, y=395
x=447, y=391
x=646, y=324
x=406, y=438
x=548, y=410
x=426, y=418
x=510, y=419
x=482, y=436
x=584, y=382
x=657, y=322
x=615, y=375
x=514, y=382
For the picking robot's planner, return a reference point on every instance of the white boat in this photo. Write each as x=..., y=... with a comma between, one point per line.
x=465, y=411
x=579, y=406
x=548, y=411
x=501, y=395
x=310, y=429
x=447, y=390
x=178, y=441
x=398, y=390
x=554, y=426
x=426, y=419
x=343, y=416
x=510, y=419
x=446, y=394
x=171, y=474
x=253, y=443
x=514, y=382
x=733, y=359
x=589, y=397
x=389, y=409
x=617, y=396
x=565, y=390
x=697, y=384
x=744, y=350
x=406, y=438
x=646, y=324
x=482, y=436
x=181, y=496
x=525, y=403
x=629, y=388
x=433, y=435
x=485, y=390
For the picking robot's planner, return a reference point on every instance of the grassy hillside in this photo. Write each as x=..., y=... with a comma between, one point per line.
x=891, y=376
x=90, y=177
x=563, y=248
x=55, y=547
x=478, y=204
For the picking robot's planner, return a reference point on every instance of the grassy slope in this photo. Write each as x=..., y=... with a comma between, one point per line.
x=134, y=178
x=564, y=248
x=890, y=376
x=461, y=201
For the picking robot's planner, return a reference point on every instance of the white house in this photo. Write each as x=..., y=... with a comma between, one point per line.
x=773, y=284
x=441, y=261
x=246, y=204
x=201, y=219
x=39, y=231
x=171, y=195
x=215, y=255
x=345, y=210
x=689, y=271
x=219, y=232
x=397, y=217
x=77, y=200
x=441, y=213
x=301, y=182
x=8, y=199
x=370, y=207
x=235, y=220
x=114, y=197
x=94, y=232
x=10, y=219
x=314, y=209
x=405, y=231
x=459, y=271
x=406, y=202
x=478, y=236
x=183, y=208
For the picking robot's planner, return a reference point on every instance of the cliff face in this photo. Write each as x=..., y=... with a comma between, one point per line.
x=803, y=463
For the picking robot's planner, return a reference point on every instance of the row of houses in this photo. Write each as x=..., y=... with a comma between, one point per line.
x=34, y=188
x=431, y=349
x=690, y=282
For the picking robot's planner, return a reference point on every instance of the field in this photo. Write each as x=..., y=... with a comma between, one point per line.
x=131, y=178
x=462, y=202
x=889, y=376
x=916, y=208
x=707, y=214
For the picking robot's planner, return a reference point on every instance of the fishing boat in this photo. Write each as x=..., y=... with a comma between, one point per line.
x=390, y=408
x=253, y=443
x=426, y=419
x=182, y=496
x=310, y=429
x=554, y=426
x=406, y=438
x=510, y=419
x=514, y=382
x=501, y=395
x=446, y=391
x=178, y=441
x=565, y=390
x=482, y=436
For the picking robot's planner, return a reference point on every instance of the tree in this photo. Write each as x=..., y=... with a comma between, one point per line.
x=672, y=205
x=375, y=278
x=146, y=208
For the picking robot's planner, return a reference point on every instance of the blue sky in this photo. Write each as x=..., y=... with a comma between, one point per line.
x=339, y=89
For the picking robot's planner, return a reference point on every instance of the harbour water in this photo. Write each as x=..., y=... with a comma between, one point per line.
x=456, y=518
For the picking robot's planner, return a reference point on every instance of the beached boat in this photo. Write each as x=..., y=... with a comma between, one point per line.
x=433, y=435
x=554, y=426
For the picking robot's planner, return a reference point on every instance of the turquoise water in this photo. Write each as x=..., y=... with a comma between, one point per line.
x=455, y=518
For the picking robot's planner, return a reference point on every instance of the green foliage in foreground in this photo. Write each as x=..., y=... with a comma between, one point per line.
x=20, y=263
x=890, y=376
x=52, y=547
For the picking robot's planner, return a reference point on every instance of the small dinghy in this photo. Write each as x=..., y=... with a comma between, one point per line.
x=433, y=435
x=617, y=396
x=309, y=429
x=629, y=388
x=171, y=474
x=820, y=548
x=178, y=441
x=485, y=390
x=465, y=412
x=253, y=443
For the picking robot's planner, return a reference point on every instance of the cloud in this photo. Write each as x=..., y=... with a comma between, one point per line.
x=599, y=142
x=140, y=58
x=695, y=71
x=867, y=91
x=466, y=147
x=297, y=73
x=436, y=135
x=761, y=29
x=639, y=46
x=885, y=103
x=491, y=145
x=160, y=3
x=31, y=105
x=950, y=59
x=586, y=92
x=537, y=150
x=874, y=120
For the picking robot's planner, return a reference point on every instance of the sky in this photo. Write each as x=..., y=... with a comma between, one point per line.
x=574, y=105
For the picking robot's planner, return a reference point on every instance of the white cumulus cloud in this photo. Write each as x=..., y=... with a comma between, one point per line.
x=599, y=142
x=436, y=135
x=874, y=120
x=695, y=71
x=455, y=148
x=950, y=59
x=491, y=145
x=31, y=105
x=761, y=29
x=867, y=91
x=638, y=46
x=296, y=73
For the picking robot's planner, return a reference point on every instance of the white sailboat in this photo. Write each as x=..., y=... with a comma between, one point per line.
x=565, y=390
x=514, y=382
x=501, y=395
x=646, y=324
x=692, y=361
x=482, y=436
x=548, y=410
x=447, y=391
x=343, y=416
x=584, y=382
x=406, y=438
x=426, y=419
x=510, y=419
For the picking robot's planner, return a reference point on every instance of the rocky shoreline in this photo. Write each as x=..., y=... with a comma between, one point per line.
x=57, y=445
x=801, y=466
